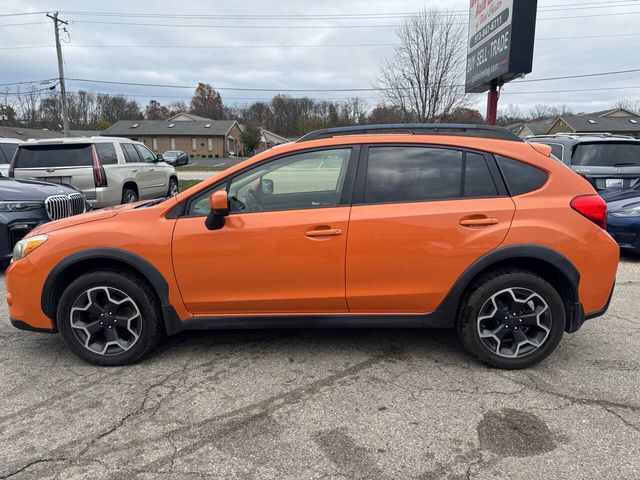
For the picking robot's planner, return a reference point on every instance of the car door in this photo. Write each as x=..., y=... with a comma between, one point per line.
x=281, y=249
x=154, y=173
x=421, y=215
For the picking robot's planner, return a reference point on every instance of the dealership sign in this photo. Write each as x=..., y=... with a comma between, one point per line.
x=501, y=37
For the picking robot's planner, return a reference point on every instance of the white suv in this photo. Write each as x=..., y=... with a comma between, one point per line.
x=108, y=171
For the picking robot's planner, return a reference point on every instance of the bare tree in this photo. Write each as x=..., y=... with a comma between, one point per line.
x=633, y=105
x=423, y=77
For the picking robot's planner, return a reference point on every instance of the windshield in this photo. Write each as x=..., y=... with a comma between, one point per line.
x=607, y=154
x=47, y=156
x=170, y=153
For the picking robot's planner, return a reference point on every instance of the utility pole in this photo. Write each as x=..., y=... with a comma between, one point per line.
x=63, y=91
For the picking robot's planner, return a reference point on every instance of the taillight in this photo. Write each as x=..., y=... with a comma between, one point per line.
x=99, y=176
x=592, y=207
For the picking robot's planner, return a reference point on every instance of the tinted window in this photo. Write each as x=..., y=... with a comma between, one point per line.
x=520, y=177
x=130, y=153
x=6, y=152
x=556, y=150
x=306, y=180
x=478, y=181
x=609, y=154
x=106, y=153
x=45, y=156
x=412, y=174
x=145, y=154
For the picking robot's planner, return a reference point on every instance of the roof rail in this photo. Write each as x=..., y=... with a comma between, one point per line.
x=455, y=129
x=582, y=134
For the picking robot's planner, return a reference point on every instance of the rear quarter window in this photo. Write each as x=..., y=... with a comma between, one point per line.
x=107, y=153
x=6, y=152
x=49, y=156
x=521, y=177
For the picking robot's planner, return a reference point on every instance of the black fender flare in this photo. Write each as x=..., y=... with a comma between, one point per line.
x=547, y=255
x=141, y=265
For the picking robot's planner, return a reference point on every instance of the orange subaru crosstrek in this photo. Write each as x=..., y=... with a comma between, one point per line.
x=396, y=226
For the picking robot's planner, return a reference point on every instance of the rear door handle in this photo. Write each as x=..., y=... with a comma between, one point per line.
x=325, y=232
x=478, y=222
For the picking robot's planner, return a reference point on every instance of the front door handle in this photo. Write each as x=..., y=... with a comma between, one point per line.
x=134, y=170
x=325, y=232
x=152, y=169
x=478, y=221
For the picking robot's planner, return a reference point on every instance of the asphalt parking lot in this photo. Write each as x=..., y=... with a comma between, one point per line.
x=311, y=404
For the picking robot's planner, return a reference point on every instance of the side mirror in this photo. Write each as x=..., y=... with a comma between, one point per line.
x=159, y=158
x=267, y=186
x=219, y=204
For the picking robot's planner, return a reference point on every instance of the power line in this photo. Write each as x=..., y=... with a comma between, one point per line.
x=342, y=45
x=584, y=75
x=46, y=80
x=20, y=14
x=22, y=24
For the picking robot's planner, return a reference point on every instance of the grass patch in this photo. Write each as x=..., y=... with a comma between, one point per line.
x=184, y=184
x=189, y=168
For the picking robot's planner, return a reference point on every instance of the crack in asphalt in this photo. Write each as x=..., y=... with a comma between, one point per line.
x=31, y=464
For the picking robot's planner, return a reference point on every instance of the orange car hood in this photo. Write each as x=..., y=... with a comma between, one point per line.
x=83, y=218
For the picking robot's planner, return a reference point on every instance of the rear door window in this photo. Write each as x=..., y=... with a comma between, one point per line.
x=521, y=177
x=412, y=174
x=130, y=153
x=51, y=156
x=145, y=154
x=107, y=153
x=478, y=181
x=6, y=152
x=607, y=154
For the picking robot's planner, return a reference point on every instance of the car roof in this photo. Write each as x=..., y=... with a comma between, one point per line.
x=10, y=140
x=74, y=140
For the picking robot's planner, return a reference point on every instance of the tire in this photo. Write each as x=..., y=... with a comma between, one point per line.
x=174, y=187
x=486, y=302
x=129, y=195
x=137, y=308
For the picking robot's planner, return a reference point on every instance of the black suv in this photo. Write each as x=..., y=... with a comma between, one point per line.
x=26, y=204
x=607, y=161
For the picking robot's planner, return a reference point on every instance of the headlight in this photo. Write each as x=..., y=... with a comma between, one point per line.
x=632, y=210
x=27, y=245
x=20, y=206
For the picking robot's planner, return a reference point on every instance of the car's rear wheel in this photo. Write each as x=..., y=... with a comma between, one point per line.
x=511, y=319
x=109, y=318
x=174, y=188
x=129, y=195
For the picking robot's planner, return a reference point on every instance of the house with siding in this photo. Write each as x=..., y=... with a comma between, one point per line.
x=198, y=137
x=617, y=121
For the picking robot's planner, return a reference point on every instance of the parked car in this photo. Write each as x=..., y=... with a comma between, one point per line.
x=607, y=161
x=176, y=157
x=25, y=205
x=442, y=226
x=108, y=171
x=623, y=220
x=8, y=147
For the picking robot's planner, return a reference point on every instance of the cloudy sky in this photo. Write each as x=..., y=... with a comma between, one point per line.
x=299, y=45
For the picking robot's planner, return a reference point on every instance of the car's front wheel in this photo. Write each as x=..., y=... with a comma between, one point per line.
x=109, y=318
x=511, y=319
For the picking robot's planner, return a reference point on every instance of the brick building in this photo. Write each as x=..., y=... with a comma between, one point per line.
x=197, y=136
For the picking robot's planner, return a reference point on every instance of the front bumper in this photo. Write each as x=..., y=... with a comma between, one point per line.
x=24, y=292
x=15, y=225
